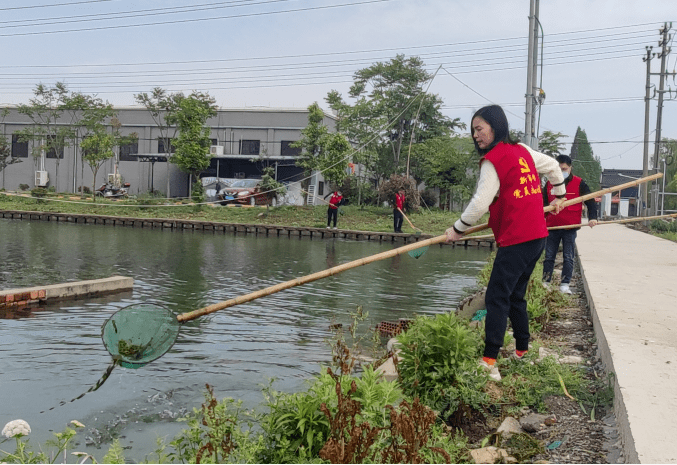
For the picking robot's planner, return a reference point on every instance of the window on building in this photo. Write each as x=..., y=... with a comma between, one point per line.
x=128, y=152
x=250, y=147
x=215, y=141
x=320, y=188
x=51, y=152
x=287, y=150
x=19, y=149
x=161, y=145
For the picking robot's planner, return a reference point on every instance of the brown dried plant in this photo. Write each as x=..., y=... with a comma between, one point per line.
x=410, y=430
x=348, y=442
x=219, y=441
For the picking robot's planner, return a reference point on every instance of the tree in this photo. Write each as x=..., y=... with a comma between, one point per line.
x=322, y=150
x=550, y=144
x=585, y=164
x=85, y=113
x=391, y=110
x=668, y=152
x=162, y=107
x=98, y=144
x=6, y=158
x=97, y=147
x=45, y=110
x=448, y=163
x=192, y=145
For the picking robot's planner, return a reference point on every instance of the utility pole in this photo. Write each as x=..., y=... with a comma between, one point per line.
x=530, y=137
x=647, y=100
x=659, y=115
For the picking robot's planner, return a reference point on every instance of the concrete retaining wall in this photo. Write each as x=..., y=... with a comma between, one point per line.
x=64, y=291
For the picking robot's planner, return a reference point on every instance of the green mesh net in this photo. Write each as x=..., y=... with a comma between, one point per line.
x=139, y=334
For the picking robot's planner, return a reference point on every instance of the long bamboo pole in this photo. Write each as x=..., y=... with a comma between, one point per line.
x=408, y=221
x=573, y=226
x=380, y=256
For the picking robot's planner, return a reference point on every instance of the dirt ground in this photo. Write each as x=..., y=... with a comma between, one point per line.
x=584, y=440
x=576, y=436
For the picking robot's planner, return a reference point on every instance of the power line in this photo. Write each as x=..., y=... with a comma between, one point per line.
x=30, y=7
x=193, y=20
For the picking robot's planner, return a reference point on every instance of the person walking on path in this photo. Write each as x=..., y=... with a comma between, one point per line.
x=509, y=188
x=335, y=202
x=575, y=187
x=397, y=211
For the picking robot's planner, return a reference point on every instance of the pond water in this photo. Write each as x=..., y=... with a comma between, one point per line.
x=52, y=353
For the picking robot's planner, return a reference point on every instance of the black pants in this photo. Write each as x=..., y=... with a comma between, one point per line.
x=398, y=218
x=568, y=239
x=332, y=213
x=505, y=295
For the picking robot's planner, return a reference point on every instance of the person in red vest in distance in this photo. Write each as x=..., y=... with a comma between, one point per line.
x=509, y=187
x=397, y=214
x=335, y=201
x=575, y=187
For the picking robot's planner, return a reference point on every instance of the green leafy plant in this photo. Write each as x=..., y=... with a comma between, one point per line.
x=296, y=427
x=115, y=453
x=23, y=453
x=214, y=434
x=438, y=361
x=39, y=192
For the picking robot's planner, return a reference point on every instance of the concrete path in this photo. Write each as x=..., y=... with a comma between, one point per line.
x=631, y=281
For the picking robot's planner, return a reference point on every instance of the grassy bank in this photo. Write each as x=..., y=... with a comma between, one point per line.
x=369, y=218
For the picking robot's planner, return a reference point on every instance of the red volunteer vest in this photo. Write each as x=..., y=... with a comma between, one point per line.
x=516, y=215
x=334, y=201
x=572, y=213
x=399, y=201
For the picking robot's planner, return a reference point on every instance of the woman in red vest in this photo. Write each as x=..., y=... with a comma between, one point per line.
x=509, y=188
x=398, y=217
x=335, y=202
x=575, y=187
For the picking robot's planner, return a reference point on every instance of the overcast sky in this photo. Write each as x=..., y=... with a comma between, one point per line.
x=291, y=53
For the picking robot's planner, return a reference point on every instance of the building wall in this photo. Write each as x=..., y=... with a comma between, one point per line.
x=269, y=126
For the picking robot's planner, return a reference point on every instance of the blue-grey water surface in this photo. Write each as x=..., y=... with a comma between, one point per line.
x=53, y=353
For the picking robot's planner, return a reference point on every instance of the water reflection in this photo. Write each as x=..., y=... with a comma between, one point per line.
x=51, y=353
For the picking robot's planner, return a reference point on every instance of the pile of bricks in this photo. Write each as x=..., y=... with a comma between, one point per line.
x=21, y=299
x=390, y=329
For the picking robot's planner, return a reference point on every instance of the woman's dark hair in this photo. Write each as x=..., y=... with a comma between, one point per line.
x=495, y=117
x=564, y=159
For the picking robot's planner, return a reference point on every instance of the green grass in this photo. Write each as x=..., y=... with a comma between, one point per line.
x=367, y=218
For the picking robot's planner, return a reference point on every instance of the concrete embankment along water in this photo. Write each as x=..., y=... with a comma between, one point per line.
x=629, y=279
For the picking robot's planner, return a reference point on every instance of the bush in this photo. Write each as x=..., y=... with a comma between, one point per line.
x=353, y=189
x=84, y=190
x=296, y=427
x=393, y=185
x=428, y=198
x=23, y=187
x=39, y=192
x=438, y=362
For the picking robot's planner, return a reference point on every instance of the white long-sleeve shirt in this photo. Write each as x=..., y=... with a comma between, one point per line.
x=489, y=185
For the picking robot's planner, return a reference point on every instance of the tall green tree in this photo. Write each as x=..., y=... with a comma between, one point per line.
x=668, y=152
x=101, y=135
x=162, y=107
x=84, y=113
x=192, y=144
x=390, y=111
x=45, y=110
x=322, y=150
x=97, y=148
x=585, y=164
